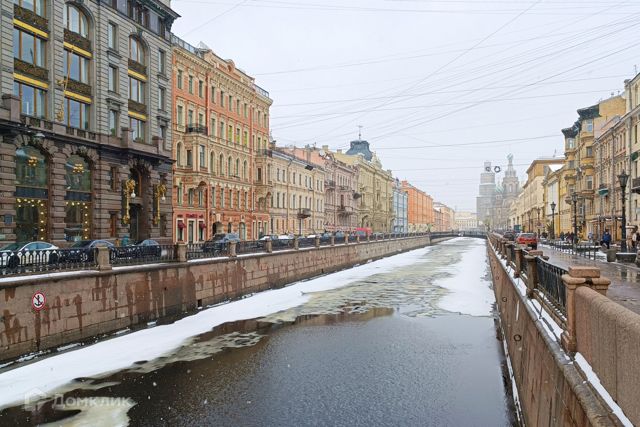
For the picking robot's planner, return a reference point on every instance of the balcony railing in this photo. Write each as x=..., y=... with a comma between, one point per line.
x=261, y=91
x=304, y=213
x=192, y=128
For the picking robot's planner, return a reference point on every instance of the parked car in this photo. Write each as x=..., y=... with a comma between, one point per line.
x=509, y=235
x=26, y=253
x=82, y=251
x=282, y=240
x=219, y=242
x=527, y=239
x=148, y=247
x=338, y=235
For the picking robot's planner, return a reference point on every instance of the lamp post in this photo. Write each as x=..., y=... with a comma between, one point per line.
x=623, y=178
x=553, y=222
x=574, y=199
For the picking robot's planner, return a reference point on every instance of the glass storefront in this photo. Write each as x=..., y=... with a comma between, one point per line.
x=77, y=199
x=32, y=182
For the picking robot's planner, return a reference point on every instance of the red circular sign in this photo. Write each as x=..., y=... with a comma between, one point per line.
x=38, y=300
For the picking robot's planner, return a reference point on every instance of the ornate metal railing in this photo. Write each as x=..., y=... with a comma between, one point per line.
x=549, y=284
x=249, y=247
x=306, y=242
x=46, y=260
x=139, y=254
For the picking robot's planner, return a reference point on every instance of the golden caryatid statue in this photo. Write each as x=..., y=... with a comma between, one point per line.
x=159, y=195
x=129, y=193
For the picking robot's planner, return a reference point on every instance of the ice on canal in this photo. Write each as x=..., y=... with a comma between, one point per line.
x=450, y=281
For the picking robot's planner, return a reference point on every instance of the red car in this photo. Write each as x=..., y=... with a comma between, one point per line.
x=527, y=239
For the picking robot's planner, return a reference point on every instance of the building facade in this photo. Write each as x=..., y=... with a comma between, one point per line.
x=486, y=195
x=87, y=146
x=400, y=222
x=222, y=160
x=298, y=195
x=444, y=217
x=420, y=216
x=466, y=221
x=375, y=194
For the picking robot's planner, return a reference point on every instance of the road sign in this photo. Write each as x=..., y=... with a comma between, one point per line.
x=38, y=301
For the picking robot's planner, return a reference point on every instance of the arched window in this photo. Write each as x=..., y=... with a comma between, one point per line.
x=237, y=168
x=180, y=194
x=75, y=20
x=221, y=168
x=244, y=170
x=32, y=183
x=78, y=199
x=212, y=162
x=229, y=167
x=190, y=196
x=136, y=50
x=179, y=154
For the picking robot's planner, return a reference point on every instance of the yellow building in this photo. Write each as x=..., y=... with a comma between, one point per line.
x=375, y=187
x=533, y=198
x=580, y=170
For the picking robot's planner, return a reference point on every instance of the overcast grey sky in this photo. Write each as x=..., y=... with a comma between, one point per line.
x=438, y=86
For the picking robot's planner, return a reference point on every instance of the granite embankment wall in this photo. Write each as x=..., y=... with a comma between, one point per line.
x=551, y=390
x=86, y=305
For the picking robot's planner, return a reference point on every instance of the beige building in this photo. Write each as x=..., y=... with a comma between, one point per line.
x=534, y=219
x=444, y=217
x=466, y=221
x=297, y=205
x=375, y=187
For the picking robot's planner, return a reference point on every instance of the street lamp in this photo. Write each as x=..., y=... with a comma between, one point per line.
x=553, y=217
x=574, y=199
x=623, y=178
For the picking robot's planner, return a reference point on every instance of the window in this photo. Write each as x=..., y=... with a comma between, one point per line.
x=37, y=6
x=190, y=118
x=238, y=106
x=137, y=128
x=113, y=79
x=179, y=79
x=245, y=110
x=190, y=84
x=113, y=178
x=222, y=193
x=112, y=36
x=163, y=132
x=32, y=100
x=200, y=119
x=180, y=115
x=222, y=98
x=162, y=97
x=75, y=66
x=28, y=48
x=136, y=51
x=212, y=128
x=113, y=122
x=589, y=151
x=76, y=114
x=189, y=158
x=203, y=163
x=237, y=139
x=74, y=20
x=230, y=103
x=589, y=182
x=179, y=154
x=162, y=59
x=230, y=133
x=213, y=197
x=180, y=194
x=190, y=197
x=588, y=125
x=213, y=94
x=200, y=201
x=201, y=89
x=136, y=90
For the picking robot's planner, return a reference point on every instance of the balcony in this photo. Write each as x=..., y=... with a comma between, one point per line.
x=137, y=67
x=264, y=153
x=635, y=185
x=603, y=189
x=193, y=128
x=329, y=185
x=344, y=188
x=345, y=210
x=304, y=213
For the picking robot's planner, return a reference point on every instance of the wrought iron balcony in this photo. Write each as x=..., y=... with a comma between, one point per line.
x=193, y=128
x=304, y=213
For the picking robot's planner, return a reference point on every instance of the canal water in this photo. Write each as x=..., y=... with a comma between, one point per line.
x=413, y=345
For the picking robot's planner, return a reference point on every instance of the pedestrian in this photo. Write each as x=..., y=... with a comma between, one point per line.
x=562, y=235
x=606, y=239
x=590, y=237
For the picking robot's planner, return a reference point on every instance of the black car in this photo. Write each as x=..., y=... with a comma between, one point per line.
x=219, y=243
x=148, y=248
x=509, y=235
x=83, y=250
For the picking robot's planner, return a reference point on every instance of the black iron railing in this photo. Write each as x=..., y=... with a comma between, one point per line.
x=46, y=260
x=249, y=247
x=139, y=254
x=550, y=285
x=306, y=242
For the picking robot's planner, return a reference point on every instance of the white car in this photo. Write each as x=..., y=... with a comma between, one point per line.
x=16, y=254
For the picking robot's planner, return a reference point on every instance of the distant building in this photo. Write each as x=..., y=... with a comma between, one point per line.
x=444, y=217
x=400, y=222
x=421, y=213
x=494, y=201
x=466, y=221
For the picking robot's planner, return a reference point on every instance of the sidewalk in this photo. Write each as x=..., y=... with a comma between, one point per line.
x=625, y=278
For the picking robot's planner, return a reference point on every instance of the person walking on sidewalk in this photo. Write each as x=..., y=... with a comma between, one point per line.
x=606, y=239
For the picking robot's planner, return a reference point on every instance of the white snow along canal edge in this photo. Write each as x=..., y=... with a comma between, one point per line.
x=43, y=377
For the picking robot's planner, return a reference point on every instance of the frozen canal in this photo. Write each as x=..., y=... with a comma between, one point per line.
x=408, y=340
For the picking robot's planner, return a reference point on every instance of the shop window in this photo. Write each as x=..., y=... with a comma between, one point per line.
x=32, y=183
